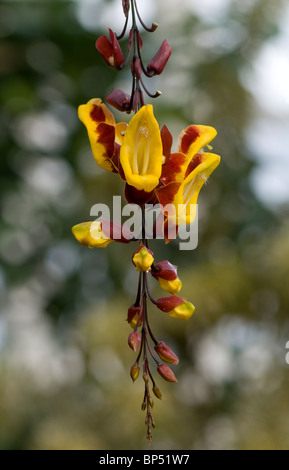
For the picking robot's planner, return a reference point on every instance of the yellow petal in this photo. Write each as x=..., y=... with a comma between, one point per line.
x=90, y=234
x=120, y=130
x=100, y=125
x=142, y=151
x=173, y=287
x=187, y=196
x=183, y=311
x=193, y=139
x=143, y=259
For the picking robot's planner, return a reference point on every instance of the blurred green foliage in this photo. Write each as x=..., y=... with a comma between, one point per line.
x=64, y=370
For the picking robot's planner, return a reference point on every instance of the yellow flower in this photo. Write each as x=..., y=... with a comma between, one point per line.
x=90, y=234
x=141, y=151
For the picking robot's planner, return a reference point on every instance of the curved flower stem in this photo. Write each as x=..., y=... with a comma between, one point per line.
x=148, y=291
x=123, y=31
x=149, y=30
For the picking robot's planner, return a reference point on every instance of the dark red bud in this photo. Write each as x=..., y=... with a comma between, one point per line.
x=119, y=100
x=134, y=340
x=166, y=373
x=125, y=6
x=110, y=50
x=136, y=69
x=159, y=61
x=132, y=312
x=130, y=39
x=165, y=270
x=167, y=304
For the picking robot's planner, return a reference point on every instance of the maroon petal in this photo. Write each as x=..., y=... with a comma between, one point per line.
x=119, y=100
x=135, y=196
x=159, y=61
x=165, y=270
x=167, y=304
x=167, y=140
x=116, y=231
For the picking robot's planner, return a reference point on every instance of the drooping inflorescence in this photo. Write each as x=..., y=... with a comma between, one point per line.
x=140, y=152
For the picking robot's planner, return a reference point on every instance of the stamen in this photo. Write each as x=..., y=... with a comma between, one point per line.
x=189, y=190
x=141, y=151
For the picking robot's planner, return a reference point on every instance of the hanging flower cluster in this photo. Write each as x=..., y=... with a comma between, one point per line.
x=140, y=152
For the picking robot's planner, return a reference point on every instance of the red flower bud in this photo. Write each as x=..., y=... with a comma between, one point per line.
x=134, y=340
x=136, y=69
x=167, y=304
x=166, y=274
x=167, y=373
x=159, y=61
x=125, y=6
x=110, y=50
x=176, y=307
x=166, y=354
x=119, y=100
x=165, y=270
x=133, y=315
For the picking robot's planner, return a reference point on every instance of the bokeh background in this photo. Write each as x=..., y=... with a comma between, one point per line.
x=64, y=366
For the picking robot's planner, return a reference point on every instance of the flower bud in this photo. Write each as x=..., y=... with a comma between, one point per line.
x=166, y=373
x=133, y=315
x=165, y=270
x=166, y=354
x=176, y=307
x=143, y=258
x=134, y=372
x=110, y=50
x=134, y=340
x=166, y=274
x=146, y=378
x=126, y=7
x=119, y=100
x=136, y=69
x=159, y=61
x=157, y=392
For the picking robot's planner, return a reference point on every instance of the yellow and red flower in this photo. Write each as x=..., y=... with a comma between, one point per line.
x=141, y=154
x=185, y=172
